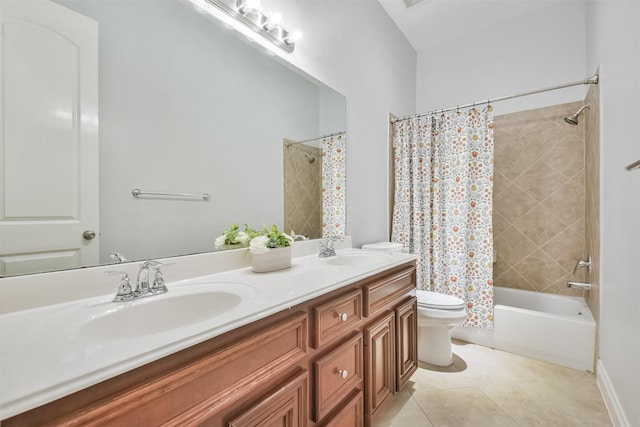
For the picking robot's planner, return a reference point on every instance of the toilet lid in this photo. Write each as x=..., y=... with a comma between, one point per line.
x=438, y=301
x=383, y=246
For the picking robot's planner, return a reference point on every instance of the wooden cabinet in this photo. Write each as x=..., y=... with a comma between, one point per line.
x=336, y=317
x=406, y=341
x=336, y=375
x=286, y=407
x=388, y=329
x=351, y=414
x=197, y=386
x=335, y=360
x=380, y=369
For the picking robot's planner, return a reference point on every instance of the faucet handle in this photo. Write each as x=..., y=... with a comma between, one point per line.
x=125, y=291
x=326, y=247
x=118, y=257
x=157, y=285
x=583, y=263
x=332, y=239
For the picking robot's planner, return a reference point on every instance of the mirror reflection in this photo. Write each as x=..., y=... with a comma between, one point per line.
x=182, y=107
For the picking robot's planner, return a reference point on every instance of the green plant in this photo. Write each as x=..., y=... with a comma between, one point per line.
x=233, y=237
x=268, y=238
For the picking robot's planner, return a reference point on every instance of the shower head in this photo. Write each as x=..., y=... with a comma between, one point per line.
x=309, y=158
x=573, y=120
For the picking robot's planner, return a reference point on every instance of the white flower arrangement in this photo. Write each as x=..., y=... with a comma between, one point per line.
x=268, y=239
x=232, y=238
x=259, y=242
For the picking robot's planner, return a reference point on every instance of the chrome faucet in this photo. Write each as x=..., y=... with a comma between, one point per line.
x=150, y=282
x=118, y=257
x=579, y=285
x=583, y=264
x=327, y=249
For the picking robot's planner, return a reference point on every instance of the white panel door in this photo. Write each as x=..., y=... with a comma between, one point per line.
x=49, y=138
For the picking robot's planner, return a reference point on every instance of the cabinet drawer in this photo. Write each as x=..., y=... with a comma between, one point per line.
x=384, y=292
x=336, y=317
x=351, y=414
x=336, y=375
x=286, y=406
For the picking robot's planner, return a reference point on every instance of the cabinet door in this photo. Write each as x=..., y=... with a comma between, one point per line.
x=350, y=415
x=380, y=369
x=285, y=407
x=406, y=341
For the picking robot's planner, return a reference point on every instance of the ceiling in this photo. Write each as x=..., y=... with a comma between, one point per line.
x=430, y=22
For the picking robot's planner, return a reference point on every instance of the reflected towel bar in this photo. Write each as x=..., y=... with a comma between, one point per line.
x=634, y=165
x=137, y=193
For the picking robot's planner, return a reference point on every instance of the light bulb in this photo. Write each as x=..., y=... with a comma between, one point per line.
x=293, y=37
x=249, y=6
x=274, y=20
x=253, y=5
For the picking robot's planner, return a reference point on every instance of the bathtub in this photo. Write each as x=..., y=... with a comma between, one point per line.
x=554, y=328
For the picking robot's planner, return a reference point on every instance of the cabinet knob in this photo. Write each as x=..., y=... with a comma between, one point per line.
x=343, y=373
x=343, y=316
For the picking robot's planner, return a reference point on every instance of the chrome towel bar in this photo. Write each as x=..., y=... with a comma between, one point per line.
x=137, y=193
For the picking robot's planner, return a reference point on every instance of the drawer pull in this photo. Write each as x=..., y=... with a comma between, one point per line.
x=343, y=316
x=343, y=373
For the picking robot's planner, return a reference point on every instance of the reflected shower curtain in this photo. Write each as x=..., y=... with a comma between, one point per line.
x=443, y=204
x=333, y=186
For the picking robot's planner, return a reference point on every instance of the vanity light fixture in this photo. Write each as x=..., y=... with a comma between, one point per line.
x=249, y=13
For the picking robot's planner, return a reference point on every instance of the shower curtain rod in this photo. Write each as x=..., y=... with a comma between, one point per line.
x=289, y=144
x=593, y=80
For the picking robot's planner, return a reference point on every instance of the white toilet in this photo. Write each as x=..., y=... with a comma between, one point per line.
x=437, y=315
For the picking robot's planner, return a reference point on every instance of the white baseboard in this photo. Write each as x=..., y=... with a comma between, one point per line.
x=616, y=413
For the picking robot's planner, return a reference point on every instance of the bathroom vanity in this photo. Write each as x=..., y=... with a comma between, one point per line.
x=327, y=342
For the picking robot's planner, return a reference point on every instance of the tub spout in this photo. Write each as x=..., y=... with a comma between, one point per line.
x=579, y=285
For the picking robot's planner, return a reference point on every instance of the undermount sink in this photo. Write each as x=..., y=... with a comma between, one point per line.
x=179, y=307
x=357, y=258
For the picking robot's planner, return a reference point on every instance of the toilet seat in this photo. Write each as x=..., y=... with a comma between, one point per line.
x=438, y=301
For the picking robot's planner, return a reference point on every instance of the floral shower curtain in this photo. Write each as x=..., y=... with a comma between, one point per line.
x=333, y=186
x=443, y=204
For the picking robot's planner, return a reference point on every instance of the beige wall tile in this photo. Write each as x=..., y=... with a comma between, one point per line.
x=539, y=180
x=302, y=190
x=540, y=225
x=512, y=203
x=539, y=205
x=540, y=269
x=513, y=246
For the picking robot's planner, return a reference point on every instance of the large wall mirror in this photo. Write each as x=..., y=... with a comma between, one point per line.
x=184, y=106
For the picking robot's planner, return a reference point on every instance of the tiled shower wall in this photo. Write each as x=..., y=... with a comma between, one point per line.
x=539, y=199
x=302, y=190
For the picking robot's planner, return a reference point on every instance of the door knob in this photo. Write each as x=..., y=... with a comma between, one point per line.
x=89, y=235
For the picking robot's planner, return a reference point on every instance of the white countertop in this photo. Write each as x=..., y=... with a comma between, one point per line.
x=43, y=358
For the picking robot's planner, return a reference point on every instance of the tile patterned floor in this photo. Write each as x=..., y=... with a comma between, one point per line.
x=492, y=388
